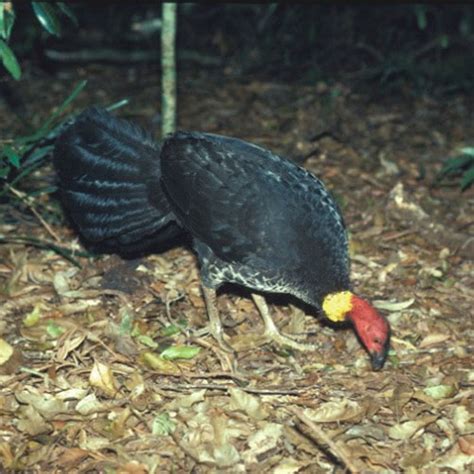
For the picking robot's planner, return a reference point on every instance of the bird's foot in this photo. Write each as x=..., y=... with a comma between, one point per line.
x=272, y=332
x=215, y=323
x=218, y=335
x=288, y=341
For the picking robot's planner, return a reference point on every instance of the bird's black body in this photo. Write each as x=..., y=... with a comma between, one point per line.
x=109, y=178
x=256, y=219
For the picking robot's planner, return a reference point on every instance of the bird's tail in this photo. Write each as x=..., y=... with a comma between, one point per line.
x=109, y=180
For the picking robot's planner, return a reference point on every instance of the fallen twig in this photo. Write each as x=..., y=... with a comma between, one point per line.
x=258, y=391
x=321, y=437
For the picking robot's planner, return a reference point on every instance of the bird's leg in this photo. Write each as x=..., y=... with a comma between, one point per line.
x=271, y=330
x=215, y=324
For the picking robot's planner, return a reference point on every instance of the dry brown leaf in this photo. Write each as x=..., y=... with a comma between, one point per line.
x=466, y=444
x=262, y=441
x=78, y=306
x=404, y=431
x=133, y=467
x=337, y=410
x=117, y=427
x=209, y=438
x=72, y=394
x=414, y=460
x=89, y=405
x=433, y=339
x=61, y=283
x=186, y=401
x=6, y=351
x=455, y=459
x=102, y=377
x=69, y=345
x=31, y=422
x=93, y=443
x=247, y=403
x=6, y=455
x=45, y=404
x=393, y=306
x=462, y=420
x=290, y=465
x=72, y=456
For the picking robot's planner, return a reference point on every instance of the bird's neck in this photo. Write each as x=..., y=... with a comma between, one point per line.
x=338, y=305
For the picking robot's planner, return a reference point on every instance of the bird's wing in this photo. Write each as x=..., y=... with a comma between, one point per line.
x=109, y=177
x=248, y=205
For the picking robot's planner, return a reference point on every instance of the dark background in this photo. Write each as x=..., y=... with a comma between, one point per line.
x=415, y=48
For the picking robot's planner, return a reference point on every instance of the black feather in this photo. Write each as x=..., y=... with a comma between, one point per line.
x=257, y=219
x=109, y=178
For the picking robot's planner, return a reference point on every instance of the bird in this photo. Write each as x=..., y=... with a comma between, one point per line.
x=256, y=219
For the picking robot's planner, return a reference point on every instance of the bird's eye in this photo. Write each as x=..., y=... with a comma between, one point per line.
x=377, y=340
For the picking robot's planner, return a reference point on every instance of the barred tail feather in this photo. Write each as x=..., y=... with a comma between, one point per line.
x=109, y=178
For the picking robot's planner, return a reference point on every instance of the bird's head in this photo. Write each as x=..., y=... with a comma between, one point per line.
x=372, y=328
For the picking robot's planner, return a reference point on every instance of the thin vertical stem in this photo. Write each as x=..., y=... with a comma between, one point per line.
x=168, y=68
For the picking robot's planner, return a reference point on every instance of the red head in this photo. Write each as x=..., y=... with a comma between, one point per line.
x=372, y=329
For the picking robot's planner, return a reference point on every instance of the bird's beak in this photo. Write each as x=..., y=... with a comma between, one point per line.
x=378, y=359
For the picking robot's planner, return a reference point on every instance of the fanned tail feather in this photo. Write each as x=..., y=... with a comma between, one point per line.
x=109, y=179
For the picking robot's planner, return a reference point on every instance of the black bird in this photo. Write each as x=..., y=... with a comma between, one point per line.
x=256, y=219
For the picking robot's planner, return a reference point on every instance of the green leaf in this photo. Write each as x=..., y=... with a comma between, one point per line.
x=170, y=330
x=467, y=179
x=7, y=19
x=147, y=341
x=454, y=165
x=420, y=13
x=117, y=105
x=163, y=425
x=180, y=352
x=468, y=150
x=68, y=11
x=41, y=191
x=39, y=154
x=126, y=323
x=13, y=158
x=9, y=60
x=54, y=330
x=76, y=91
x=444, y=41
x=46, y=14
x=33, y=317
x=2, y=21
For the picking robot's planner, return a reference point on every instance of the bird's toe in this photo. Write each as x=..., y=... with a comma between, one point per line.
x=289, y=341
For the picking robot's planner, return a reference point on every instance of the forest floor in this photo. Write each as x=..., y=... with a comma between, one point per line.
x=86, y=388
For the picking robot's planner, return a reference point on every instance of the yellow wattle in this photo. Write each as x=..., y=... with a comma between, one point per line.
x=337, y=305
